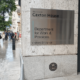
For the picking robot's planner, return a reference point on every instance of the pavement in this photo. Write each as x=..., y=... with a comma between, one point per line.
x=10, y=61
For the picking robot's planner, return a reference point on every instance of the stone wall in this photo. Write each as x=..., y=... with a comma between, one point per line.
x=29, y=50
x=36, y=68
x=38, y=58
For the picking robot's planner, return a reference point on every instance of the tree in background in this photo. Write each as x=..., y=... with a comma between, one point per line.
x=6, y=6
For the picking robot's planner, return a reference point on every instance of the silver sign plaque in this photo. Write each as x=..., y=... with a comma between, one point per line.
x=51, y=27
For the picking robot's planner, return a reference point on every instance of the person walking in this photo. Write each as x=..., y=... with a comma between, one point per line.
x=3, y=36
x=9, y=36
x=12, y=35
x=1, y=41
x=6, y=35
x=13, y=43
x=15, y=35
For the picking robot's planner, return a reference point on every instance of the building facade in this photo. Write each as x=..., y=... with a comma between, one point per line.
x=16, y=18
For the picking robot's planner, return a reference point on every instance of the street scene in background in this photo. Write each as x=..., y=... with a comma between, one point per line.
x=10, y=39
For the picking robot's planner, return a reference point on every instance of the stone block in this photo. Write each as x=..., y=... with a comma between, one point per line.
x=47, y=4
x=60, y=49
x=73, y=5
x=33, y=68
x=49, y=50
x=26, y=23
x=59, y=4
x=27, y=4
x=29, y=50
x=33, y=51
x=26, y=39
x=37, y=68
x=72, y=49
x=66, y=65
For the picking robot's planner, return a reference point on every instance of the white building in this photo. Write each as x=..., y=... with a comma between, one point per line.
x=15, y=19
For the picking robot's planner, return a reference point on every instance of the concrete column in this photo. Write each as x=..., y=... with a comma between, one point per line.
x=38, y=58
